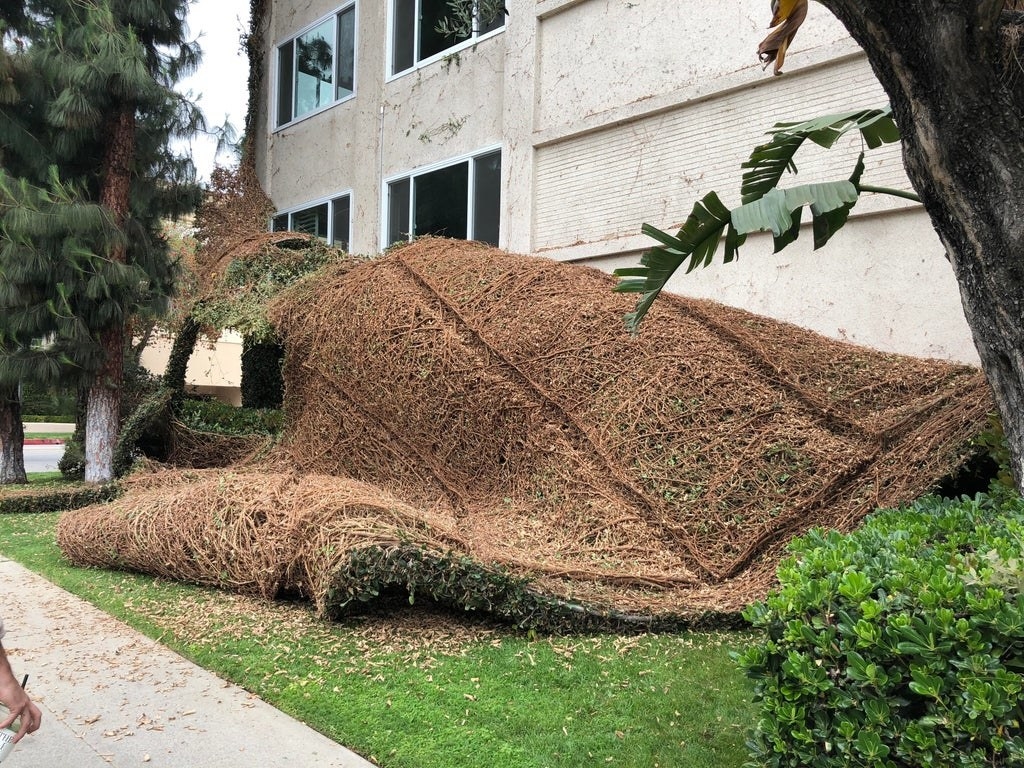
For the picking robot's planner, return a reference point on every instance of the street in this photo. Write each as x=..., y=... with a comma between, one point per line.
x=42, y=458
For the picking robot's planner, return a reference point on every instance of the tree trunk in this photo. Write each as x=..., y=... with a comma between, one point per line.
x=181, y=353
x=103, y=411
x=102, y=421
x=12, y=438
x=958, y=106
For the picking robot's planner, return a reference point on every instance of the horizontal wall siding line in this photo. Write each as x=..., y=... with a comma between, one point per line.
x=604, y=184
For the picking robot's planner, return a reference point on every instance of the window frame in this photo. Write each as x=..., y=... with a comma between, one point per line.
x=471, y=41
x=330, y=201
x=332, y=17
x=410, y=176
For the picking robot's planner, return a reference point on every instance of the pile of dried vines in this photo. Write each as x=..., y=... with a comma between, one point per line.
x=474, y=402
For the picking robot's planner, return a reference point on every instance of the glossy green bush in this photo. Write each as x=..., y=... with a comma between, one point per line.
x=223, y=419
x=901, y=644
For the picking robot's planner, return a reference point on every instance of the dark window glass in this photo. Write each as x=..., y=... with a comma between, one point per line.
x=279, y=223
x=398, y=211
x=285, y=77
x=312, y=221
x=496, y=23
x=487, y=197
x=340, y=211
x=440, y=202
x=346, y=53
x=432, y=13
x=410, y=48
x=404, y=35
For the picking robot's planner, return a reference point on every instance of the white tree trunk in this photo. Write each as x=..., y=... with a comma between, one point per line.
x=103, y=411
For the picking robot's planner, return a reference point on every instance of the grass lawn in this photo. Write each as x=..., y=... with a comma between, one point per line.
x=413, y=687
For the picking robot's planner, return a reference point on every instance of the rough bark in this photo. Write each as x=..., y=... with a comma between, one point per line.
x=12, y=438
x=102, y=420
x=103, y=411
x=957, y=98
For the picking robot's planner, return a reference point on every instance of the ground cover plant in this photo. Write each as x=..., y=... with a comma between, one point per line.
x=898, y=645
x=413, y=688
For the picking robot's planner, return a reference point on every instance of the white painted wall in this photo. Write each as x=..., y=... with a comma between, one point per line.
x=613, y=113
x=214, y=369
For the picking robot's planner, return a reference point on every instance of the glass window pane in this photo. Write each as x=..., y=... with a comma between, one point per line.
x=487, y=197
x=432, y=13
x=279, y=223
x=398, y=211
x=403, y=35
x=496, y=23
x=314, y=68
x=340, y=207
x=312, y=221
x=346, y=53
x=285, y=76
x=440, y=201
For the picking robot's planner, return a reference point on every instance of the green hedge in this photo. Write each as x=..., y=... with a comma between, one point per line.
x=58, y=500
x=223, y=419
x=901, y=644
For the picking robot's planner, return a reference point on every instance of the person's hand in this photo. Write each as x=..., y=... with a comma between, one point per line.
x=19, y=704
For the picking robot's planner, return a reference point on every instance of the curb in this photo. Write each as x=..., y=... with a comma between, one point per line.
x=44, y=441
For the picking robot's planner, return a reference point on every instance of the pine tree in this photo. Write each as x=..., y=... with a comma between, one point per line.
x=89, y=176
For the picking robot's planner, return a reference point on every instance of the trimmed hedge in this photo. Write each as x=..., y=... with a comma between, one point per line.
x=223, y=419
x=901, y=644
x=57, y=499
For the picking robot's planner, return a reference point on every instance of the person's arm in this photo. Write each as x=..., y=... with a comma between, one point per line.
x=15, y=698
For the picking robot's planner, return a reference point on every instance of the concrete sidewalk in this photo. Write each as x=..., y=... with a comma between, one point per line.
x=112, y=697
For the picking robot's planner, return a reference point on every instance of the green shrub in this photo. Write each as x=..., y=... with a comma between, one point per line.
x=459, y=582
x=993, y=442
x=47, y=404
x=901, y=644
x=58, y=500
x=223, y=419
x=72, y=461
x=145, y=432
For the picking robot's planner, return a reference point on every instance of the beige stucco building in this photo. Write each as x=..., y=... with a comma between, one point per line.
x=214, y=369
x=562, y=128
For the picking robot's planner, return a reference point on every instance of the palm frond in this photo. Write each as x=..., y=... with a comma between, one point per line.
x=769, y=161
x=695, y=242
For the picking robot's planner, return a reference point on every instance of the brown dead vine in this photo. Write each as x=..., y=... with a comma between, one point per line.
x=465, y=400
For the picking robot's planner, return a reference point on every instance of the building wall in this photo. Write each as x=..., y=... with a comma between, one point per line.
x=214, y=369
x=611, y=114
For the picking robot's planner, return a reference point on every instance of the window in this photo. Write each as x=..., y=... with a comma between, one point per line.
x=317, y=68
x=415, y=34
x=461, y=199
x=328, y=221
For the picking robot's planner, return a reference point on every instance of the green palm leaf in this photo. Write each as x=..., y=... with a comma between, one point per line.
x=770, y=160
x=764, y=206
x=696, y=242
x=778, y=210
